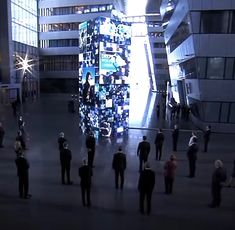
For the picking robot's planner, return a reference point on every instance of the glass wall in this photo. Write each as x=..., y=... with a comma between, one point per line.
x=24, y=21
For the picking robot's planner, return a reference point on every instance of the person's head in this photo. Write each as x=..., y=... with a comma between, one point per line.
x=218, y=164
x=193, y=133
x=172, y=157
x=176, y=126
x=147, y=165
x=61, y=134
x=84, y=161
x=208, y=127
x=144, y=138
x=21, y=118
x=120, y=148
x=65, y=145
x=88, y=77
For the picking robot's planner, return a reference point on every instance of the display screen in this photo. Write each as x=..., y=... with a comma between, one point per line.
x=104, y=58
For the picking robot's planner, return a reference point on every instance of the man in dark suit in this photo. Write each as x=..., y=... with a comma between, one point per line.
x=175, y=136
x=90, y=145
x=192, y=157
x=65, y=161
x=145, y=187
x=206, y=136
x=143, y=151
x=119, y=166
x=159, y=143
x=61, y=141
x=2, y=133
x=85, y=174
x=23, y=175
x=218, y=179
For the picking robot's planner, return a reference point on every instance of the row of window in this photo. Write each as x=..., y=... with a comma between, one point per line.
x=209, y=68
x=59, y=63
x=59, y=27
x=75, y=10
x=205, y=22
x=156, y=34
x=23, y=48
x=161, y=66
x=59, y=43
x=24, y=23
x=160, y=55
x=29, y=5
x=159, y=45
x=219, y=112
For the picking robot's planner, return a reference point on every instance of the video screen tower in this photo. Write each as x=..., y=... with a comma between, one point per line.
x=104, y=88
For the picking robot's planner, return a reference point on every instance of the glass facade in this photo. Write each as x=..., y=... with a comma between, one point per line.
x=24, y=21
x=75, y=10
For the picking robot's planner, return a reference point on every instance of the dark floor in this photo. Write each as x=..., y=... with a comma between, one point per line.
x=54, y=206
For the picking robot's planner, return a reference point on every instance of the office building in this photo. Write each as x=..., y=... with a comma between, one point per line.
x=18, y=50
x=59, y=31
x=199, y=37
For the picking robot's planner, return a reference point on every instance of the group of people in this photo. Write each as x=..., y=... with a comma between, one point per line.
x=146, y=180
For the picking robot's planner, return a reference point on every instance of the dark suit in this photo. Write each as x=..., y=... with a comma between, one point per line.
x=175, y=136
x=143, y=152
x=219, y=176
x=145, y=187
x=61, y=141
x=119, y=166
x=192, y=158
x=85, y=174
x=65, y=161
x=207, y=134
x=90, y=144
x=22, y=172
x=2, y=132
x=158, y=143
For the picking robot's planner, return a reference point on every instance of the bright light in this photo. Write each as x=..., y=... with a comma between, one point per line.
x=24, y=63
x=134, y=8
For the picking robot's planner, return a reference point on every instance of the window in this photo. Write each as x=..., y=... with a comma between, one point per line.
x=214, y=22
x=232, y=113
x=215, y=69
x=211, y=111
x=229, y=68
x=201, y=68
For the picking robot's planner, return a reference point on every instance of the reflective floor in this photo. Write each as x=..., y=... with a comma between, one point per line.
x=54, y=206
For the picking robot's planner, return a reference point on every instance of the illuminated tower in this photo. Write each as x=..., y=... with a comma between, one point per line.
x=104, y=90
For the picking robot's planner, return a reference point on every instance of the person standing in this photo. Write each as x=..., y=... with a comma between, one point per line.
x=175, y=137
x=90, y=145
x=143, y=151
x=159, y=143
x=145, y=187
x=2, y=133
x=231, y=179
x=61, y=141
x=193, y=136
x=192, y=157
x=21, y=139
x=169, y=173
x=14, y=107
x=219, y=176
x=85, y=174
x=65, y=162
x=119, y=166
x=206, y=136
x=23, y=175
